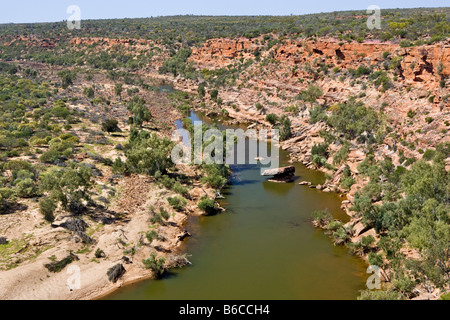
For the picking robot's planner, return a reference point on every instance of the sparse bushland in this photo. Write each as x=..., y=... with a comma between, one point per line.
x=70, y=187
x=419, y=219
x=67, y=78
x=148, y=154
x=177, y=65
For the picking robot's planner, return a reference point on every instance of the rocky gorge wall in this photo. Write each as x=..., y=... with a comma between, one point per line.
x=418, y=63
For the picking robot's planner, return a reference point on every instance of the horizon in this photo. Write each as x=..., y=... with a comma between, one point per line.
x=11, y=14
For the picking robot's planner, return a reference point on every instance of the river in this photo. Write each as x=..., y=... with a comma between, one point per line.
x=263, y=247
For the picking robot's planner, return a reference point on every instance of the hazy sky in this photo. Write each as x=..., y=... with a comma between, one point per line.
x=20, y=11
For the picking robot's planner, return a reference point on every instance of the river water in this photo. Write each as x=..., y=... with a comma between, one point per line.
x=263, y=247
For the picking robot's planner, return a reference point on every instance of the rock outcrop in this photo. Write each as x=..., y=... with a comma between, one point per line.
x=281, y=175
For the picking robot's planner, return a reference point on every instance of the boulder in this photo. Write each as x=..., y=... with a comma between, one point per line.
x=196, y=193
x=183, y=236
x=71, y=224
x=280, y=171
x=281, y=175
x=359, y=229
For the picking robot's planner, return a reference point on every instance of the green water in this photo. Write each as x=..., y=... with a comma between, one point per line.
x=263, y=247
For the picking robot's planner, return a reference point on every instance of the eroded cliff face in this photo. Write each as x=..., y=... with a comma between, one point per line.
x=418, y=64
x=220, y=52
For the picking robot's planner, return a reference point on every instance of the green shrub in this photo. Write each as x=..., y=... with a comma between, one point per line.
x=445, y=296
x=140, y=111
x=317, y=114
x=292, y=109
x=110, y=125
x=6, y=195
x=159, y=218
x=156, y=265
x=201, y=90
x=69, y=186
x=119, y=167
x=177, y=203
x=214, y=94
x=342, y=155
x=322, y=219
x=99, y=253
x=347, y=183
x=319, y=161
x=272, y=118
x=47, y=207
x=149, y=154
x=50, y=157
x=67, y=78
x=172, y=184
x=26, y=188
x=207, y=205
x=118, y=88
x=176, y=64
x=361, y=71
x=341, y=236
x=311, y=94
x=353, y=118
x=89, y=92
x=151, y=236
x=216, y=176
x=335, y=225
x=285, y=128
x=429, y=154
x=320, y=150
